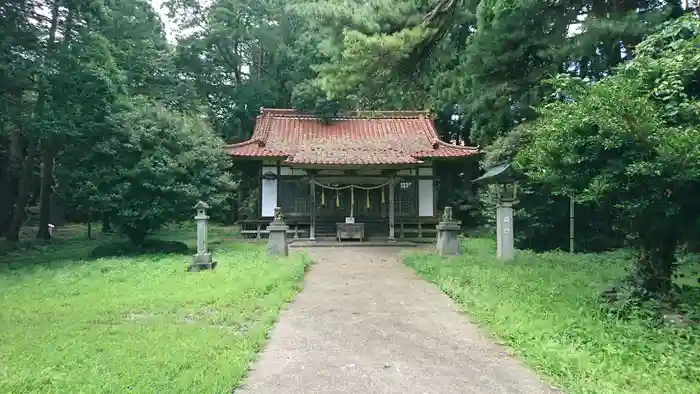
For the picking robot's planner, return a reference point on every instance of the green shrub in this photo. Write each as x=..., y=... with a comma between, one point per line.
x=150, y=246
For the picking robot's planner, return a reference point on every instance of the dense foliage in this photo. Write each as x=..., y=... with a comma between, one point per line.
x=94, y=95
x=70, y=72
x=630, y=143
x=105, y=116
x=151, y=170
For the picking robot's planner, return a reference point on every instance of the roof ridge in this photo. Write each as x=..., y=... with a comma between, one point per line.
x=360, y=137
x=349, y=114
x=436, y=141
x=264, y=123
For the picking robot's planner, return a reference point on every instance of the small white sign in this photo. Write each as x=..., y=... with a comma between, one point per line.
x=506, y=219
x=506, y=230
x=350, y=220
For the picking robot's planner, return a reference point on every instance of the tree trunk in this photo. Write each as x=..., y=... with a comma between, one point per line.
x=6, y=202
x=137, y=237
x=9, y=193
x=25, y=180
x=25, y=185
x=655, y=267
x=106, y=224
x=676, y=7
x=49, y=152
x=48, y=157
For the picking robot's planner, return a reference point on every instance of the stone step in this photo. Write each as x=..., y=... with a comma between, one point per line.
x=320, y=243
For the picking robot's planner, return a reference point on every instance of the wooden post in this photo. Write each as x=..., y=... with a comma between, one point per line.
x=312, y=229
x=571, y=225
x=391, y=211
x=352, y=201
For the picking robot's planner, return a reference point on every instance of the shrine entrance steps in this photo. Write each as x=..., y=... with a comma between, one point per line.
x=332, y=242
x=377, y=228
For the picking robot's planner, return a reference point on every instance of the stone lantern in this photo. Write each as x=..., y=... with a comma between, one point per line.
x=506, y=181
x=203, y=259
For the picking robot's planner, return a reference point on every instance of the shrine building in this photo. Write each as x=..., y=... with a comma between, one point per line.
x=374, y=171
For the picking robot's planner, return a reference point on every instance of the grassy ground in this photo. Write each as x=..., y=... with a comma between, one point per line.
x=545, y=308
x=74, y=325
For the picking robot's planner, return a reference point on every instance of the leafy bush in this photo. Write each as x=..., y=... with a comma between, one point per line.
x=629, y=144
x=152, y=169
x=149, y=246
x=541, y=216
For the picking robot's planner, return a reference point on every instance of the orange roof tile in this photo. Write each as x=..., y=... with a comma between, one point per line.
x=383, y=137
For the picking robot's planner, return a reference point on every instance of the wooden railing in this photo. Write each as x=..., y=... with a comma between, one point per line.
x=405, y=228
x=418, y=228
x=257, y=228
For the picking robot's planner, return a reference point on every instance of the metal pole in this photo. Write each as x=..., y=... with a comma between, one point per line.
x=571, y=224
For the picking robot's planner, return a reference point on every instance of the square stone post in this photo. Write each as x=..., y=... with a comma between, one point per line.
x=505, y=244
x=277, y=237
x=203, y=259
x=391, y=211
x=505, y=178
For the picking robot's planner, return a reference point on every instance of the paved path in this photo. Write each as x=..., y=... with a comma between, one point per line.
x=366, y=324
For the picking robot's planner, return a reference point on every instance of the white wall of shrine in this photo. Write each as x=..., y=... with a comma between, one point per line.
x=268, y=192
x=426, y=193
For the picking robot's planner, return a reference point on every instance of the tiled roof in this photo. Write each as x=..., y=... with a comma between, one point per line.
x=384, y=137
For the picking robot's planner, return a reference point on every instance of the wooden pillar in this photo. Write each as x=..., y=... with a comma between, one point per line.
x=279, y=185
x=352, y=202
x=312, y=229
x=391, y=210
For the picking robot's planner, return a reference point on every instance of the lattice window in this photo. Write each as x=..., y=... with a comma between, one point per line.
x=294, y=197
x=405, y=197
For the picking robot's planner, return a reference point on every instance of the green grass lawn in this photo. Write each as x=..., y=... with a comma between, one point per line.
x=545, y=308
x=74, y=325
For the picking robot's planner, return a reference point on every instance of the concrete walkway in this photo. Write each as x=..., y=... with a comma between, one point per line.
x=366, y=324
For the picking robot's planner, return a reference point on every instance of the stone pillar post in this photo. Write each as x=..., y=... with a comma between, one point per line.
x=277, y=238
x=391, y=211
x=448, y=235
x=505, y=245
x=203, y=259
